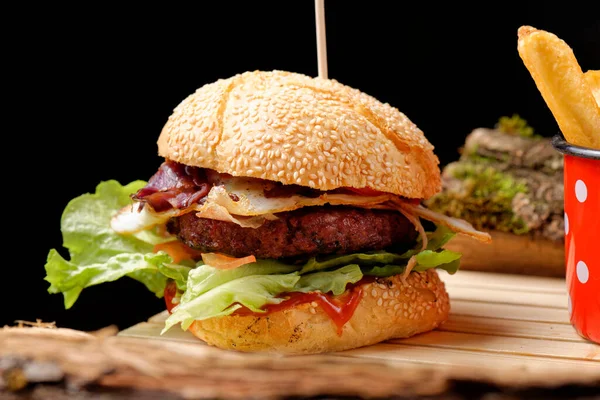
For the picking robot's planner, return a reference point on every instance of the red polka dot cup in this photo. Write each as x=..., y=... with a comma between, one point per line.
x=582, y=236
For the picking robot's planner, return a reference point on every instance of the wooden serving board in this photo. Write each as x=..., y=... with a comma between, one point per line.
x=504, y=329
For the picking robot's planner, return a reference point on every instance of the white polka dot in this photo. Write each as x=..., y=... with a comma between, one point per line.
x=580, y=190
x=583, y=273
x=570, y=304
x=566, y=224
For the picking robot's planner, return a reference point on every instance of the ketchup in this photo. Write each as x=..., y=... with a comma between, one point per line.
x=170, y=292
x=340, y=309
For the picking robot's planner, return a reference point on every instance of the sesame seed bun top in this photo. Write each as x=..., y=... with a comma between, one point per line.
x=295, y=129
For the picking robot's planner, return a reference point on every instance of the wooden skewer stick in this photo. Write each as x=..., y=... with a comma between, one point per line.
x=321, y=41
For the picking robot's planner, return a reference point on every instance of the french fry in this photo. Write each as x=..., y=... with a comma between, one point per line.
x=593, y=79
x=564, y=88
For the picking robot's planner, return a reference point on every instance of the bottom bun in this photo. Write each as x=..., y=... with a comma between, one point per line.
x=512, y=254
x=389, y=309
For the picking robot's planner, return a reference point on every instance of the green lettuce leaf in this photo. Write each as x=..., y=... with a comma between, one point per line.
x=370, y=258
x=432, y=259
x=330, y=281
x=448, y=262
x=435, y=241
x=85, y=224
x=253, y=292
x=179, y=273
x=438, y=238
x=211, y=292
x=99, y=254
x=450, y=267
x=204, y=277
x=151, y=277
x=70, y=278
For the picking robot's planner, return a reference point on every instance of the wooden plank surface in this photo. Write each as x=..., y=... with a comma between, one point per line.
x=498, y=323
x=509, y=311
x=521, y=283
x=505, y=327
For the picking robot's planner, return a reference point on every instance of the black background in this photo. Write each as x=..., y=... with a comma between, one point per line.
x=88, y=90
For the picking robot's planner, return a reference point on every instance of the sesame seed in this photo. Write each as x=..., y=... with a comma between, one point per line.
x=357, y=131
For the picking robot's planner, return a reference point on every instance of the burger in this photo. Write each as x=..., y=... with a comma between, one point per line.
x=286, y=217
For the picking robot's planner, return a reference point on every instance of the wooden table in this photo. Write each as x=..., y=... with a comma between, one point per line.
x=508, y=335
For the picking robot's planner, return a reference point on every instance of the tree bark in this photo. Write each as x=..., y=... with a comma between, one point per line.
x=531, y=161
x=516, y=151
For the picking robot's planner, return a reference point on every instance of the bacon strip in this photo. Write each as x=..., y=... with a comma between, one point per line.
x=178, y=186
x=174, y=185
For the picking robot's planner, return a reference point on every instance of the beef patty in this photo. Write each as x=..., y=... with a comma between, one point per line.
x=307, y=231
